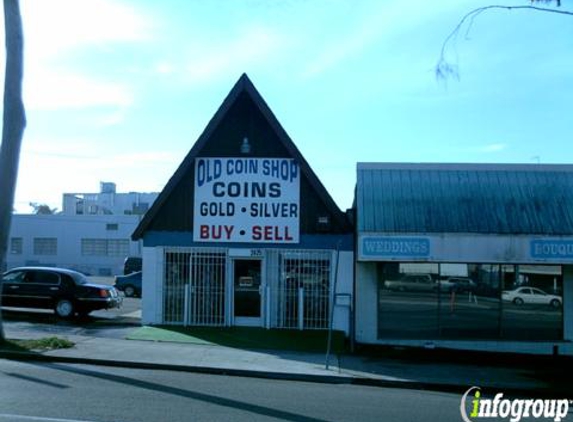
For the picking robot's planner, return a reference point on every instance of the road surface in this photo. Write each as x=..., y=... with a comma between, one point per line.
x=65, y=393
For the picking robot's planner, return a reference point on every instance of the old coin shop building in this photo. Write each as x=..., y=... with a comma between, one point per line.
x=244, y=233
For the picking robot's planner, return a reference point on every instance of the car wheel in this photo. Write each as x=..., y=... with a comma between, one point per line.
x=555, y=303
x=518, y=301
x=129, y=291
x=64, y=308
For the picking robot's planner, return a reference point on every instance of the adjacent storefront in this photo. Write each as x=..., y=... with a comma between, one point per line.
x=465, y=256
x=244, y=233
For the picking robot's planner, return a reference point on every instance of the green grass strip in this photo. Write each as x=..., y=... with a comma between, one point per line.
x=244, y=337
x=42, y=344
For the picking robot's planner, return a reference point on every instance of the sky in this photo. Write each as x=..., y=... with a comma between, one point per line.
x=120, y=90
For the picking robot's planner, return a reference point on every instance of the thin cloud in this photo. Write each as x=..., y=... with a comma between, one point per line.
x=345, y=47
x=384, y=21
x=49, y=90
x=111, y=119
x=164, y=68
x=78, y=147
x=54, y=27
x=139, y=160
x=254, y=46
x=91, y=159
x=493, y=148
x=57, y=29
x=139, y=171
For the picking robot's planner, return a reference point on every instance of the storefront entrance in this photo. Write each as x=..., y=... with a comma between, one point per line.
x=271, y=288
x=247, y=292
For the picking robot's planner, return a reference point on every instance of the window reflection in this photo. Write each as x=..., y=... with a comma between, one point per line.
x=532, y=302
x=408, y=301
x=470, y=301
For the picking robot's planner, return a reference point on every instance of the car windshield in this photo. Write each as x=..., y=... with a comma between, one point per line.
x=16, y=275
x=80, y=278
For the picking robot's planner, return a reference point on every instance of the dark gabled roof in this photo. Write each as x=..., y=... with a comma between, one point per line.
x=243, y=85
x=465, y=198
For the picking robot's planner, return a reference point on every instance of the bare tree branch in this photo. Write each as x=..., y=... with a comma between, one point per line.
x=443, y=68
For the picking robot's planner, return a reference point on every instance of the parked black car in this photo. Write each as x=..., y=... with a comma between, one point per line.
x=132, y=264
x=65, y=291
x=129, y=284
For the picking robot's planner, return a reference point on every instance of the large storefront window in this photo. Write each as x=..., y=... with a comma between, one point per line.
x=470, y=301
x=532, y=302
x=408, y=301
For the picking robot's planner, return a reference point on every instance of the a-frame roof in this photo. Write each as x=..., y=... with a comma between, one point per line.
x=243, y=85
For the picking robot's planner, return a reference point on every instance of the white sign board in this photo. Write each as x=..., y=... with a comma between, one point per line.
x=253, y=200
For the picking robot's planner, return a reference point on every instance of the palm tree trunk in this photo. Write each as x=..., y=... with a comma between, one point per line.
x=14, y=122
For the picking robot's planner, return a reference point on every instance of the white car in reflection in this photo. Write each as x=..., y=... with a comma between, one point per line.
x=531, y=296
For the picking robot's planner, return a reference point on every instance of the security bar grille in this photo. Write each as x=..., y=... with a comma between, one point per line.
x=302, y=299
x=194, y=287
x=298, y=287
x=207, y=288
x=176, y=278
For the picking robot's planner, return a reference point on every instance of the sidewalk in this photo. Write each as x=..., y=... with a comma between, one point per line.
x=414, y=370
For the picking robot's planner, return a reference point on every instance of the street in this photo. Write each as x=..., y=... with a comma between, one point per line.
x=47, y=392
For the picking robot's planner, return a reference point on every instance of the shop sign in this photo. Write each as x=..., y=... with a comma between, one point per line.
x=254, y=200
x=552, y=249
x=395, y=247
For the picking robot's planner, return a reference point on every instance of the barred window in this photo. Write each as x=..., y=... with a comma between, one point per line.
x=45, y=246
x=105, y=247
x=16, y=246
x=112, y=226
x=304, y=288
x=118, y=247
x=94, y=247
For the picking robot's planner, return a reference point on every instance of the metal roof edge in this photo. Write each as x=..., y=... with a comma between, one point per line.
x=466, y=166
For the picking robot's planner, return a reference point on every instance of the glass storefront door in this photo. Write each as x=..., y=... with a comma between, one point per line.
x=247, y=292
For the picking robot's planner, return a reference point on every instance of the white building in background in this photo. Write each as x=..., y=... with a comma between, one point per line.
x=107, y=202
x=92, y=234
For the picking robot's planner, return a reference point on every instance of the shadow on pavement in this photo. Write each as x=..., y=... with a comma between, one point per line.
x=24, y=323
x=48, y=317
x=551, y=374
x=220, y=401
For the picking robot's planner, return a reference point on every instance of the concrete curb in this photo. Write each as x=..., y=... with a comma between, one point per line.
x=330, y=379
x=315, y=378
